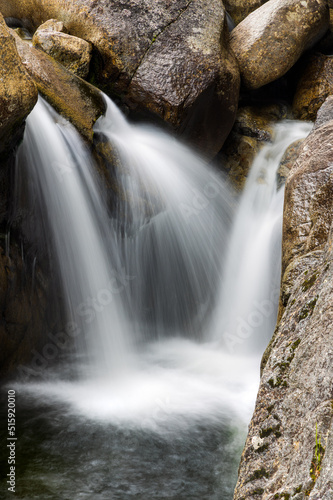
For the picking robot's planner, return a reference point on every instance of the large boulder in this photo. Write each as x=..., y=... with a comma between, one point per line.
x=294, y=408
x=71, y=51
x=190, y=78
x=142, y=48
x=18, y=93
x=315, y=85
x=271, y=39
x=239, y=10
x=75, y=99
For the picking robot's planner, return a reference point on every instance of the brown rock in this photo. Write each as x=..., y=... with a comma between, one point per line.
x=252, y=128
x=18, y=93
x=239, y=10
x=315, y=85
x=78, y=101
x=288, y=161
x=170, y=57
x=271, y=39
x=71, y=51
x=190, y=78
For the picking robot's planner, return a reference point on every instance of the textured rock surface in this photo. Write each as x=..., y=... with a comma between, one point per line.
x=315, y=85
x=287, y=162
x=271, y=39
x=239, y=10
x=252, y=128
x=190, y=78
x=180, y=46
x=71, y=51
x=295, y=393
x=18, y=93
x=74, y=98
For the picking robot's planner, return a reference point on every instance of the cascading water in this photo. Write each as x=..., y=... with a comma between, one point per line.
x=61, y=179
x=249, y=293
x=175, y=223
x=176, y=416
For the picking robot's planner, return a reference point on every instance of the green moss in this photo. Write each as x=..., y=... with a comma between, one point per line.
x=270, y=430
x=258, y=491
x=262, y=448
x=259, y=474
x=295, y=344
x=298, y=489
x=277, y=382
x=308, y=309
x=309, y=282
x=293, y=302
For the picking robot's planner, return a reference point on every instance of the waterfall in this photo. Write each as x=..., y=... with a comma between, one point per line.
x=61, y=183
x=170, y=297
x=248, y=299
x=165, y=291
x=175, y=223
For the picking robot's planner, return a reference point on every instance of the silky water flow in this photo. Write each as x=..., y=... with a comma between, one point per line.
x=174, y=297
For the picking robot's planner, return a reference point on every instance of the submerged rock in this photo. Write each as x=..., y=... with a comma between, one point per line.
x=71, y=51
x=315, y=85
x=294, y=408
x=170, y=57
x=271, y=39
x=75, y=99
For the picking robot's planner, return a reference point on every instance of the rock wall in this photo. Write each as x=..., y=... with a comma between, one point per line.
x=294, y=407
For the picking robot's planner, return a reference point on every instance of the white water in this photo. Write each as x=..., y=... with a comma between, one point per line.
x=167, y=251
x=175, y=219
x=249, y=293
x=62, y=181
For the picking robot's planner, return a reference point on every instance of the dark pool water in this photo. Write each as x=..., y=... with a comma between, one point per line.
x=60, y=456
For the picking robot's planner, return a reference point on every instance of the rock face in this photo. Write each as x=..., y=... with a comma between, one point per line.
x=71, y=51
x=252, y=128
x=315, y=85
x=18, y=93
x=239, y=10
x=140, y=48
x=26, y=310
x=294, y=407
x=78, y=101
x=271, y=39
x=190, y=78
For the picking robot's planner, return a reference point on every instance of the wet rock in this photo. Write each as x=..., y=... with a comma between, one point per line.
x=252, y=128
x=75, y=99
x=239, y=10
x=190, y=77
x=271, y=39
x=170, y=57
x=287, y=162
x=294, y=407
x=27, y=312
x=315, y=85
x=71, y=51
